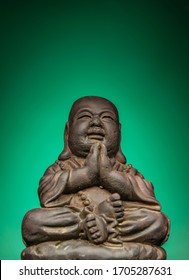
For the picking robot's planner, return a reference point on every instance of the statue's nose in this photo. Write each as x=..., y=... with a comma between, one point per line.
x=96, y=121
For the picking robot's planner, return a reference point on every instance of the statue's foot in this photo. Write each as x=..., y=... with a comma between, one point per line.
x=112, y=207
x=117, y=205
x=96, y=229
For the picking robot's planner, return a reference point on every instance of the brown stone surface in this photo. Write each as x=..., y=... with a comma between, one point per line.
x=91, y=197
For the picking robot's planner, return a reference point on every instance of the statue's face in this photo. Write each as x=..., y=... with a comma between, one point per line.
x=93, y=120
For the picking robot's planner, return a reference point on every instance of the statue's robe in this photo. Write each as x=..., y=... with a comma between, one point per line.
x=61, y=212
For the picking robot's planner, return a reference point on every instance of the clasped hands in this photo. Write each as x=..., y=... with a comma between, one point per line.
x=98, y=164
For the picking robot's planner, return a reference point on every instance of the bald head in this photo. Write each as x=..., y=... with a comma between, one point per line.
x=93, y=101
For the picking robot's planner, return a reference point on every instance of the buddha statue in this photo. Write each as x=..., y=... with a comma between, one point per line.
x=93, y=204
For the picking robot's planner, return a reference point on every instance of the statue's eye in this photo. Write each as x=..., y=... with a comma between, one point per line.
x=107, y=117
x=84, y=116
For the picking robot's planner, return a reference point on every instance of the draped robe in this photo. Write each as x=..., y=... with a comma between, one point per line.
x=61, y=212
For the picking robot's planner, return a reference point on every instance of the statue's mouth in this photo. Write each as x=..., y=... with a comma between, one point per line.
x=96, y=134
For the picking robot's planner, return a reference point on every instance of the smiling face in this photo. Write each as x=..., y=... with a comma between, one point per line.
x=93, y=119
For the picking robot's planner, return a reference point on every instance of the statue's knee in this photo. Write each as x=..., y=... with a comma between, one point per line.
x=31, y=218
x=165, y=227
x=160, y=228
x=161, y=222
x=30, y=225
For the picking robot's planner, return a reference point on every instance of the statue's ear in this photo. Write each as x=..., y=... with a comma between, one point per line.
x=66, y=133
x=120, y=156
x=66, y=153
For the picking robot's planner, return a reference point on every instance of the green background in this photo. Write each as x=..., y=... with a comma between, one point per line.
x=135, y=53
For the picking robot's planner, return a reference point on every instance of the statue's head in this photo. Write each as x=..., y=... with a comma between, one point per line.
x=92, y=119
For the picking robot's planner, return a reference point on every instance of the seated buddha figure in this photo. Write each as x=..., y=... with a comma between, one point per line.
x=93, y=204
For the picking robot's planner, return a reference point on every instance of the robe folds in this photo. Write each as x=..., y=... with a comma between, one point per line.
x=60, y=215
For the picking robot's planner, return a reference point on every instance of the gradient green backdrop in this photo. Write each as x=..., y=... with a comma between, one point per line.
x=135, y=53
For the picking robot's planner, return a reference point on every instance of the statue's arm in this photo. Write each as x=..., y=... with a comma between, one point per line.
x=58, y=180
x=126, y=181
x=130, y=186
x=79, y=179
x=117, y=182
x=52, y=185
